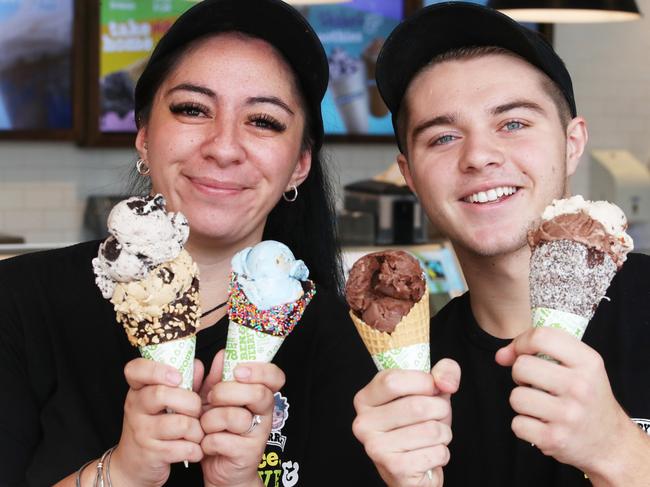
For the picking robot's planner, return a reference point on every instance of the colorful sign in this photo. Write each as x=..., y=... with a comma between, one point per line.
x=352, y=35
x=36, y=64
x=129, y=30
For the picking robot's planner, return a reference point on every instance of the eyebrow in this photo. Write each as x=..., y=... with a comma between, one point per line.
x=274, y=100
x=498, y=110
x=193, y=88
x=526, y=104
x=432, y=122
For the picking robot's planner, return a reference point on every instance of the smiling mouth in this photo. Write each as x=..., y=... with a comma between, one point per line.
x=490, y=195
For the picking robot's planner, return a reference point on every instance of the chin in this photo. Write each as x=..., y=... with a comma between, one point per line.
x=495, y=247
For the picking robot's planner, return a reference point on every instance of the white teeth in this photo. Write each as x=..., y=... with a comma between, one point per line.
x=491, y=194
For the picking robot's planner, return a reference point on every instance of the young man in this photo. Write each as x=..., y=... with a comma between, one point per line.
x=486, y=123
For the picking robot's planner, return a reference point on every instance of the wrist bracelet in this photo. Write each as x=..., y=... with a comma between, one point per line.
x=99, y=477
x=108, y=466
x=77, y=479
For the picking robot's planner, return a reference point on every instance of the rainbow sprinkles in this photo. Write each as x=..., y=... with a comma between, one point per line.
x=277, y=321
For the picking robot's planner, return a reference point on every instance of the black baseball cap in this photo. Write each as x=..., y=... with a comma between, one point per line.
x=274, y=21
x=445, y=26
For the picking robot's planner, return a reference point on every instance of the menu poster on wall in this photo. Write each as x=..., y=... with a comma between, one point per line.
x=36, y=65
x=352, y=34
x=130, y=29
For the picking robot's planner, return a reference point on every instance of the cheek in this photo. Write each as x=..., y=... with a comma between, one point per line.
x=276, y=165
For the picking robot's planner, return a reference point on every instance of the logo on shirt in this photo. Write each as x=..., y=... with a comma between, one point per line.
x=644, y=424
x=280, y=416
x=273, y=470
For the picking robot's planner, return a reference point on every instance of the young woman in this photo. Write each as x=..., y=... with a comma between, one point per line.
x=230, y=132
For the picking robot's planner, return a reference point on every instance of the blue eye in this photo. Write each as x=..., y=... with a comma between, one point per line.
x=445, y=139
x=514, y=125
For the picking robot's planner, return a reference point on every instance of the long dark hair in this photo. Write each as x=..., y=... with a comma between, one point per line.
x=307, y=225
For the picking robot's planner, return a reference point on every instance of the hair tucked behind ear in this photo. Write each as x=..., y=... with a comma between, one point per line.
x=308, y=227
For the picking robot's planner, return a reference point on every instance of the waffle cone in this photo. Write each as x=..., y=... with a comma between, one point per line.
x=411, y=330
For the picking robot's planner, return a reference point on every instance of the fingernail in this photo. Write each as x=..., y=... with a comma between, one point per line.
x=173, y=376
x=242, y=372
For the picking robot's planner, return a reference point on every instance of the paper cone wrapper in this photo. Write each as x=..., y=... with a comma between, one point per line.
x=407, y=347
x=177, y=353
x=561, y=320
x=247, y=345
x=553, y=318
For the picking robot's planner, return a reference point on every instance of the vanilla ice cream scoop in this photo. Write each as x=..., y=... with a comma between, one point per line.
x=142, y=235
x=269, y=274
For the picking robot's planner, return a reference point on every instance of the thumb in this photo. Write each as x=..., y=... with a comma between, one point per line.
x=446, y=376
x=198, y=375
x=213, y=377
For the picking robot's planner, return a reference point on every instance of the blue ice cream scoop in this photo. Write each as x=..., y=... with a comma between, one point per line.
x=269, y=274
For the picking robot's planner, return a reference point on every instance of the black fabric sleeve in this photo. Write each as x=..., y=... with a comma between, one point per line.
x=19, y=417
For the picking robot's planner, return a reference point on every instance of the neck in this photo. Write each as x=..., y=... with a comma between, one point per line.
x=499, y=293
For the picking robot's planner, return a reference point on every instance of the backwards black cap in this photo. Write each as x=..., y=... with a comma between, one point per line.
x=442, y=27
x=274, y=21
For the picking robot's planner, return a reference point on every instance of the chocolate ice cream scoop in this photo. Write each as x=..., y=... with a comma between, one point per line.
x=383, y=287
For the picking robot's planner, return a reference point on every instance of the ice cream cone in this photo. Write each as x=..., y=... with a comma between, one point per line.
x=254, y=334
x=152, y=282
x=407, y=347
x=576, y=251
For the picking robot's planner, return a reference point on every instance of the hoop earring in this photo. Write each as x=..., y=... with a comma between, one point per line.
x=142, y=168
x=293, y=197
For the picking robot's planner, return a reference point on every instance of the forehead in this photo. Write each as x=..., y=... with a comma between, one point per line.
x=233, y=55
x=474, y=83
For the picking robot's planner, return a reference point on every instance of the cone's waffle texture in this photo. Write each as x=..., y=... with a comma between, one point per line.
x=411, y=330
x=162, y=307
x=569, y=276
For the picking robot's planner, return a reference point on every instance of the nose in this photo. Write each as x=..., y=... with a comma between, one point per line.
x=481, y=151
x=223, y=142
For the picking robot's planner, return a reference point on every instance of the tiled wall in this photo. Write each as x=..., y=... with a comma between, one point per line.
x=43, y=186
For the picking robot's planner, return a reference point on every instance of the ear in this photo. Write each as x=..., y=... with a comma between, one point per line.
x=576, y=141
x=301, y=171
x=141, y=142
x=405, y=169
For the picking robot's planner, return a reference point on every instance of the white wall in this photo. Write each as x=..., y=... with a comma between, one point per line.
x=43, y=185
x=610, y=67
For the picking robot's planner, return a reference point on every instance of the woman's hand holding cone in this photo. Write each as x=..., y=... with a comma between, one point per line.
x=152, y=439
x=232, y=449
x=404, y=422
